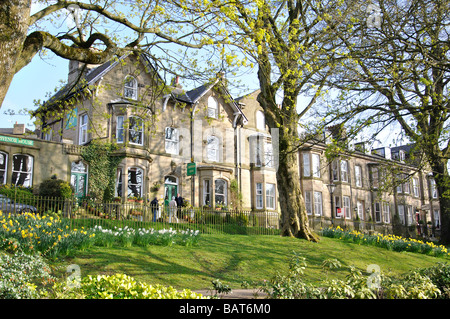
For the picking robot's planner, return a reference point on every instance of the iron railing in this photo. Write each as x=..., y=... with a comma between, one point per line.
x=141, y=214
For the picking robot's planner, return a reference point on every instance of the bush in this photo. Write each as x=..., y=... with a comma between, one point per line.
x=54, y=187
x=121, y=286
x=413, y=285
x=440, y=276
x=23, y=276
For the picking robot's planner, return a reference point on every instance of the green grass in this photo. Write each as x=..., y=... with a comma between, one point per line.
x=235, y=258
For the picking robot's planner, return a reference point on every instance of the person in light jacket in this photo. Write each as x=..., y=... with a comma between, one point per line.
x=172, y=209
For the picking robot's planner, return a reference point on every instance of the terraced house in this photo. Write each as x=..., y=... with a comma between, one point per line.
x=379, y=190
x=159, y=130
x=212, y=149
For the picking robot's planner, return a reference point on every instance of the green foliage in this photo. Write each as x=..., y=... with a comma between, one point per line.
x=440, y=276
x=220, y=288
x=54, y=187
x=102, y=166
x=23, y=276
x=12, y=191
x=356, y=285
x=121, y=286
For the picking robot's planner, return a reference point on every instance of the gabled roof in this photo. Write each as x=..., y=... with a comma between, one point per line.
x=194, y=95
x=90, y=78
x=93, y=75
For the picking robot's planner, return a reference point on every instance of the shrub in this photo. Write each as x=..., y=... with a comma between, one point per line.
x=413, y=285
x=54, y=187
x=440, y=276
x=23, y=276
x=121, y=286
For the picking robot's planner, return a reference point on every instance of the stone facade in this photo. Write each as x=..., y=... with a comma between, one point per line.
x=359, y=190
x=161, y=129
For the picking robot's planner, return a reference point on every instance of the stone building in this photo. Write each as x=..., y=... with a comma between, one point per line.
x=160, y=129
x=212, y=149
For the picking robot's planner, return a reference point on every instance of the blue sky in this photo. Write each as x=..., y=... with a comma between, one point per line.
x=32, y=83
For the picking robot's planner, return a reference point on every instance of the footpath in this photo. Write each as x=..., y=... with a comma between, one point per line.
x=236, y=294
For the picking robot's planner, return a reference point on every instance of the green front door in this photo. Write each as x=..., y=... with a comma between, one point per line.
x=169, y=191
x=78, y=181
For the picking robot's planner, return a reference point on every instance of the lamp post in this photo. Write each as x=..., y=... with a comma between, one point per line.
x=331, y=189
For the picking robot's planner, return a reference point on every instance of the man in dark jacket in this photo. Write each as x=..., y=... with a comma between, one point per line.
x=179, y=201
x=154, y=205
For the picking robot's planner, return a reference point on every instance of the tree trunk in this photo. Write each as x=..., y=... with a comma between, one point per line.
x=442, y=179
x=14, y=15
x=294, y=218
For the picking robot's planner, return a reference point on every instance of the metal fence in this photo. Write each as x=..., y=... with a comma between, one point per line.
x=141, y=214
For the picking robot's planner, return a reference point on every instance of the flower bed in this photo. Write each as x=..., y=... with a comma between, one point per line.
x=390, y=242
x=127, y=236
x=48, y=235
x=52, y=236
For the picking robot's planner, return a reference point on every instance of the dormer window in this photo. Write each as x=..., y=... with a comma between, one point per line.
x=130, y=88
x=260, y=121
x=213, y=108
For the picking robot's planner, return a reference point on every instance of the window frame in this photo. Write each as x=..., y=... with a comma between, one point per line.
x=386, y=212
x=377, y=210
x=224, y=194
x=259, y=198
x=5, y=169
x=315, y=165
x=401, y=214
x=344, y=172
x=130, y=88
x=175, y=140
x=433, y=188
x=415, y=186
x=318, y=203
x=140, y=131
x=83, y=129
x=17, y=173
x=209, y=147
x=120, y=128
x=206, y=191
x=306, y=165
x=141, y=184
x=213, y=106
x=360, y=209
x=260, y=120
x=308, y=203
x=346, y=205
x=270, y=196
x=358, y=175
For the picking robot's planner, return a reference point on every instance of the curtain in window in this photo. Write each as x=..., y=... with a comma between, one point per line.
x=22, y=170
x=220, y=191
x=135, y=130
x=135, y=182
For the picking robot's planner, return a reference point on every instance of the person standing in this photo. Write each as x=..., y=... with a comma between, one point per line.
x=172, y=208
x=154, y=205
x=179, y=201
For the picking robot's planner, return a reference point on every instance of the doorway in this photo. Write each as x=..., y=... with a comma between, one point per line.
x=170, y=189
x=78, y=178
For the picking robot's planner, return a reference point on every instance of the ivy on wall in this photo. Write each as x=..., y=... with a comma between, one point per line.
x=102, y=168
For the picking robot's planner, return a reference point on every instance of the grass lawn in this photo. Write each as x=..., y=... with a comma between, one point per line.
x=235, y=258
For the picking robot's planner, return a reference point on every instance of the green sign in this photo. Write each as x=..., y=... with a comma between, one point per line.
x=16, y=140
x=191, y=169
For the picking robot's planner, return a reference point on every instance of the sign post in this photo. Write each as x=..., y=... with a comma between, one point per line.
x=191, y=169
